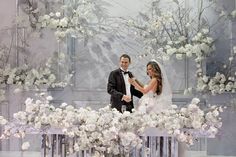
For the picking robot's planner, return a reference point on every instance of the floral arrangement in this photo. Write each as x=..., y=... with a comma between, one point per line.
x=221, y=82
x=109, y=131
x=183, y=32
x=81, y=18
x=26, y=77
x=176, y=33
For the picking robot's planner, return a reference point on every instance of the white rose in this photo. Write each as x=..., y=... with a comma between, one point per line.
x=215, y=113
x=189, y=53
x=205, y=78
x=174, y=106
x=230, y=59
x=63, y=105
x=58, y=14
x=181, y=50
x=64, y=22
x=28, y=101
x=196, y=124
x=70, y=108
x=182, y=137
x=209, y=40
x=76, y=147
x=25, y=146
x=234, y=49
x=171, y=51
x=3, y=121
x=213, y=131
x=204, y=126
x=183, y=110
x=51, y=14
x=176, y=132
x=205, y=47
x=199, y=35
x=220, y=109
x=205, y=31
x=49, y=98
x=195, y=101
x=37, y=125
x=233, y=13
x=46, y=17
x=54, y=23
x=179, y=56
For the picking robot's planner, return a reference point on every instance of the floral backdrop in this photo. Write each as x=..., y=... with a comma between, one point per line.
x=85, y=39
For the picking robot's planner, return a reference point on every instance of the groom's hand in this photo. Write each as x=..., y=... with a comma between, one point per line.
x=126, y=98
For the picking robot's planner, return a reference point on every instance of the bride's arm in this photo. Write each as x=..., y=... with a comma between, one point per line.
x=139, y=83
x=145, y=89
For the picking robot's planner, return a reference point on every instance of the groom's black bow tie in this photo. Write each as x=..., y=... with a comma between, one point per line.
x=125, y=72
x=128, y=72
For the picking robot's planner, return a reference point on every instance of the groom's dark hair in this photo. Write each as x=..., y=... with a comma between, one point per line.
x=125, y=56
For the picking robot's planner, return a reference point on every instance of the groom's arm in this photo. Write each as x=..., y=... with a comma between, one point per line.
x=112, y=86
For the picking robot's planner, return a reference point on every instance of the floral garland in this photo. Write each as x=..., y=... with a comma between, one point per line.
x=109, y=131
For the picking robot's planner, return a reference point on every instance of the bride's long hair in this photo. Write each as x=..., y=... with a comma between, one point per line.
x=157, y=74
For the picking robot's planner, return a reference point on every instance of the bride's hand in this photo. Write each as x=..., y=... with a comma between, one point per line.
x=132, y=81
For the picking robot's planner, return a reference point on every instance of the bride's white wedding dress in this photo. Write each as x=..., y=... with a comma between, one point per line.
x=151, y=102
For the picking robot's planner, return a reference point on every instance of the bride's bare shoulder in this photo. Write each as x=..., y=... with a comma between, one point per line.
x=153, y=82
x=154, y=79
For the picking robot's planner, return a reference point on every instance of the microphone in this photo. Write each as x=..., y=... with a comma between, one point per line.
x=130, y=75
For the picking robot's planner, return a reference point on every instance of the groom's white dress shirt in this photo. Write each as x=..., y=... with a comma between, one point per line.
x=127, y=84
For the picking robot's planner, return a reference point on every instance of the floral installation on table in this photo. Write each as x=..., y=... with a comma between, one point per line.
x=108, y=131
x=185, y=32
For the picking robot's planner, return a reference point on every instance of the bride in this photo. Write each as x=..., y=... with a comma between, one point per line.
x=157, y=93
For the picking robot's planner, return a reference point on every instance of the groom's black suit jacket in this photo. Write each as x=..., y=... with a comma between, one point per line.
x=116, y=88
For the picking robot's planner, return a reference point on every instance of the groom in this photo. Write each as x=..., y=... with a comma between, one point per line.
x=119, y=88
